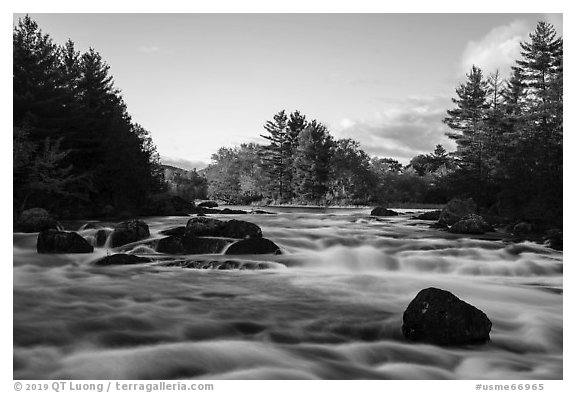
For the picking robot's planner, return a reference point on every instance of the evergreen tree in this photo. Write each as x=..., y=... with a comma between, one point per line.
x=296, y=123
x=38, y=94
x=467, y=121
x=312, y=162
x=274, y=154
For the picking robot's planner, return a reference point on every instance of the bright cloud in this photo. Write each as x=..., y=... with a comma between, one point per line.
x=496, y=50
x=410, y=127
x=183, y=163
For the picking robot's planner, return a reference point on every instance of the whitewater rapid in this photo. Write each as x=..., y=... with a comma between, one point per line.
x=329, y=307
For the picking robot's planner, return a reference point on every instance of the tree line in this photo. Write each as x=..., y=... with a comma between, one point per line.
x=302, y=163
x=76, y=150
x=508, y=133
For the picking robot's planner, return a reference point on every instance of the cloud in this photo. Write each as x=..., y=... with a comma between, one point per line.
x=407, y=128
x=182, y=163
x=496, y=50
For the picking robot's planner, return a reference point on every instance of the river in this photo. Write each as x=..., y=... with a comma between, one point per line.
x=329, y=307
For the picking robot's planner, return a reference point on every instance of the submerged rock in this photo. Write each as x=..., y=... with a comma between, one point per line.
x=121, y=259
x=129, y=232
x=232, y=211
x=455, y=210
x=54, y=241
x=436, y=316
x=261, y=212
x=191, y=245
x=206, y=210
x=471, y=224
x=219, y=265
x=383, y=212
x=431, y=216
x=175, y=231
x=35, y=220
x=208, y=204
x=253, y=246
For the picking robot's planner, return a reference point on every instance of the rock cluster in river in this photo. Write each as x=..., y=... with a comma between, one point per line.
x=471, y=224
x=203, y=235
x=459, y=216
x=455, y=209
x=55, y=241
x=436, y=316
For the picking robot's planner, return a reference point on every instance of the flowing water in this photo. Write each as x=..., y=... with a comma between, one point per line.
x=329, y=307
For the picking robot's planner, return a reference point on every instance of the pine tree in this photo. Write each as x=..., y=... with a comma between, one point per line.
x=274, y=154
x=38, y=93
x=468, y=122
x=296, y=123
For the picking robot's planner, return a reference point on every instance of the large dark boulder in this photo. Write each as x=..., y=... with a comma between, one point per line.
x=204, y=226
x=208, y=204
x=471, y=224
x=253, y=246
x=456, y=209
x=129, y=232
x=241, y=230
x=383, y=212
x=121, y=259
x=436, y=316
x=191, y=245
x=35, y=220
x=431, y=216
x=55, y=241
x=212, y=227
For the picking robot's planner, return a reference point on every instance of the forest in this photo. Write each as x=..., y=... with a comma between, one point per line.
x=77, y=151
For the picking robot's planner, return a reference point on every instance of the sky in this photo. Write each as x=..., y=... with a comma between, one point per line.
x=198, y=82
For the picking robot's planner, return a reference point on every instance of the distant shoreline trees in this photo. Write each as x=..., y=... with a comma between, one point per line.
x=302, y=163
